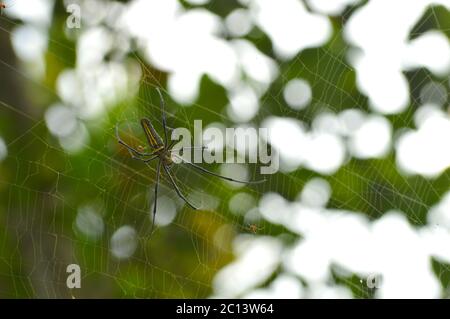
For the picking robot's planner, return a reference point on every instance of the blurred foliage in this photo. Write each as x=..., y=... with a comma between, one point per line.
x=41, y=187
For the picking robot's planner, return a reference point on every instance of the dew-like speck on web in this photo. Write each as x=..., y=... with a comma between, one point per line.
x=90, y=222
x=3, y=150
x=124, y=242
x=166, y=211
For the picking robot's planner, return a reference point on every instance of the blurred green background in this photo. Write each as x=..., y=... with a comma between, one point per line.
x=44, y=186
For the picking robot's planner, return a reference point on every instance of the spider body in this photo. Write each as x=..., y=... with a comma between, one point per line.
x=156, y=143
x=161, y=149
x=254, y=228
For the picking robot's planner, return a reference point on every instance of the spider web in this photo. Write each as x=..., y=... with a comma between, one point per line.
x=60, y=208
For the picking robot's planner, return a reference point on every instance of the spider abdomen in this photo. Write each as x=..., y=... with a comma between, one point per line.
x=153, y=138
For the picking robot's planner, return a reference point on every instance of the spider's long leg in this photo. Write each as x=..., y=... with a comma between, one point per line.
x=147, y=160
x=204, y=170
x=189, y=148
x=163, y=115
x=177, y=189
x=156, y=196
x=130, y=149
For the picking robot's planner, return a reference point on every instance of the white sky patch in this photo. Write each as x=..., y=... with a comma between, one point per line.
x=372, y=139
x=283, y=287
x=90, y=222
x=426, y=112
x=350, y=240
x=124, y=242
x=297, y=93
x=316, y=193
x=203, y=200
x=239, y=23
x=166, y=211
x=439, y=214
x=183, y=87
x=282, y=131
x=403, y=273
x=333, y=8
x=76, y=141
x=431, y=50
x=257, y=260
x=198, y=2
x=324, y=291
x=274, y=208
x=61, y=120
x=350, y=121
x=325, y=153
x=92, y=46
x=29, y=42
x=261, y=69
x=164, y=29
x=290, y=26
x=327, y=122
x=241, y=203
x=386, y=87
x=385, y=51
x=244, y=104
x=37, y=12
x=425, y=151
x=3, y=149
x=319, y=151
x=433, y=93
x=235, y=171
x=92, y=89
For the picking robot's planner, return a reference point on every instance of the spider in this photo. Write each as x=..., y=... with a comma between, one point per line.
x=254, y=228
x=162, y=151
x=3, y=6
